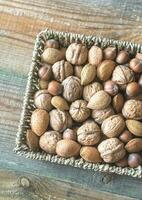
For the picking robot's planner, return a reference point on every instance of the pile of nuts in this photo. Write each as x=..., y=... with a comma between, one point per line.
x=89, y=104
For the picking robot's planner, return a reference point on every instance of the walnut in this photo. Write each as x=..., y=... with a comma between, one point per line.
x=79, y=111
x=72, y=89
x=76, y=54
x=132, y=109
x=100, y=115
x=61, y=70
x=111, y=150
x=91, y=89
x=122, y=75
x=89, y=133
x=113, y=126
x=48, y=141
x=60, y=120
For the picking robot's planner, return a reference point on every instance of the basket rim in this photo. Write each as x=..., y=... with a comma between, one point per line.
x=22, y=149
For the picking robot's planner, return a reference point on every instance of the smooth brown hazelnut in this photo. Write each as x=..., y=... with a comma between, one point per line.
x=43, y=84
x=45, y=72
x=77, y=71
x=32, y=140
x=136, y=65
x=132, y=89
x=52, y=44
x=118, y=102
x=111, y=87
x=123, y=162
x=122, y=57
x=126, y=136
x=55, y=88
x=109, y=53
x=69, y=134
x=134, y=160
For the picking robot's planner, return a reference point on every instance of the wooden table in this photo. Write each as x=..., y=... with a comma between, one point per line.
x=20, y=21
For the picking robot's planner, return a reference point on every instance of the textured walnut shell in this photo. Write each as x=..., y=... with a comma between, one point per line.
x=122, y=75
x=48, y=141
x=90, y=154
x=39, y=121
x=76, y=54
x=113, y=126
x=111, y=150
x=95, y=55
x=132, y=109
x=89, y=133
x=60, y=120
x=134, y=127
x=51, y=55
x=99, y=100
x=61, y=70
x=134, y=145
x=91, y=89
x=88, y=74
x=72, y=89
x=68, y=148
x=42, y=100
x=32, y=140
x=100, y=115
x=79, y=111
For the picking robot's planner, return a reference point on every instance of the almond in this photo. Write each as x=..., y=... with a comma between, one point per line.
x=99, y=100
x=134, y=127
x=88, y=74
x=105, y=69
x=95, y=55
x=39, y=121
x=51, y=55
x=59, y=103
x=134, y=145
x=90, y=154
x=67, y=148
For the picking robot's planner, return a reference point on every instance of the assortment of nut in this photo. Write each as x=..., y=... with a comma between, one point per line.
x=89, y=104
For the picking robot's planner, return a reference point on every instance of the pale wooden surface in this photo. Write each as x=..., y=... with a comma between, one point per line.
x=20, y=21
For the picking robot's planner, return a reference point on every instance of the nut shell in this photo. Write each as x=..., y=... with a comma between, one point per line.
x=77, y=71
x=89, y=133
x=61, y=70
x=45, y=72
x=79, y=111
x=113, y=126
x=70, y=134
x=88, y=74
x=51, y=55
x=32, y=140
x=118, y=102
x=52, y=44
x=111, y=150
x=134, y=145
x=95, y=55
x=59, y=103
x=109, y=53
x=48, y=141
x=39, y=121
x=134, y=127
x=122, y=57
x=68, y=148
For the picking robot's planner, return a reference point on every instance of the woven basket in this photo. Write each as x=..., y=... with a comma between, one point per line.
x=32, y=86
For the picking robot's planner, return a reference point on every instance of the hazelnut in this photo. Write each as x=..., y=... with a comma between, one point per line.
x=122, y=57
x=91, y=89
x=95, y=55
x=76, y=54
x=69, y=134
x=60, y=120
x=42, y=100
x=118, y=102
x=136, y=65
x=45, y=72
x=61, y=70
x=88, y=74
x=89, y=133
x=72, y=89
x=100, y=115
x=113, y=126
x=55, y=88
x=52, y=44
x=79, y=111
x=111, y=88
x=134, y=160
x=126, y=136
x=122, y=75
x=48, y=141
x=43, y=84
x=123, y=162
x=109, y=53
x=77, y=71
x=32, y=140
x=111, y=150
x=132, y=89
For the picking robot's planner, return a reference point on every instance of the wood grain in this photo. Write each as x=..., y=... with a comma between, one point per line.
x=20, y=21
